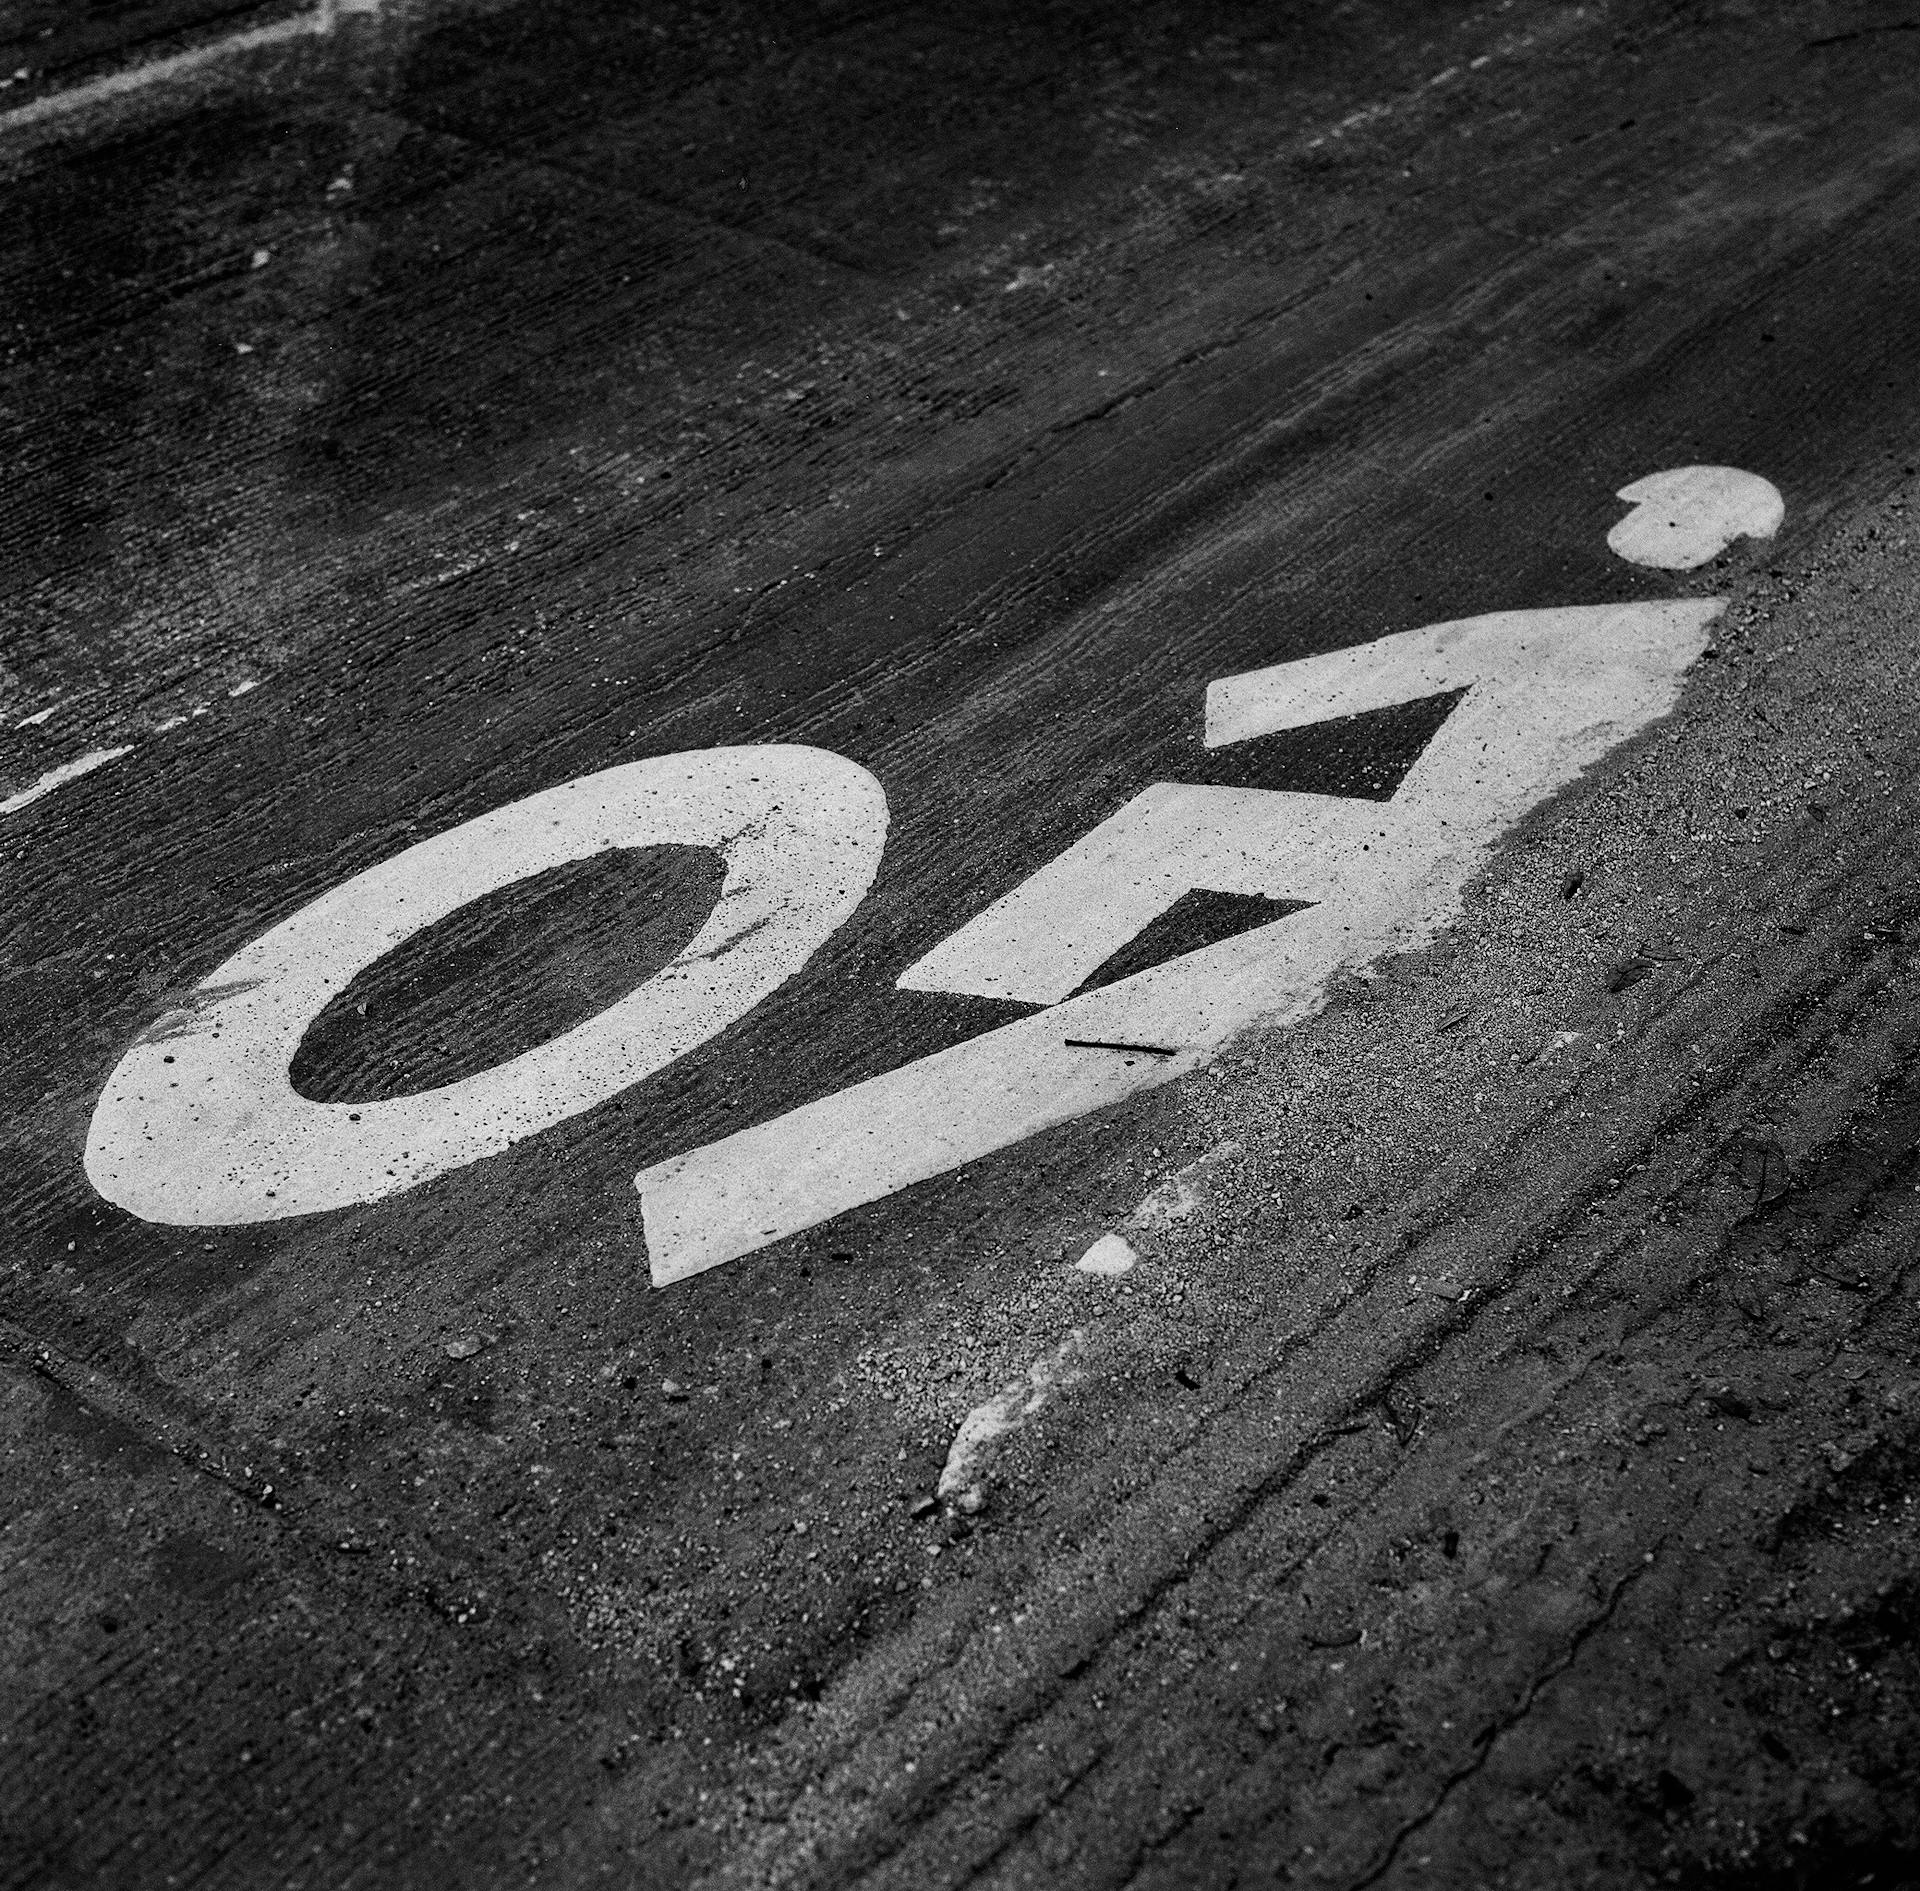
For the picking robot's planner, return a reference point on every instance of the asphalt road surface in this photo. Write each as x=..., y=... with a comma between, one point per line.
x=891, y=998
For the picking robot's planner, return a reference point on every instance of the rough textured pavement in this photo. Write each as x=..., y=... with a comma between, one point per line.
x=1499, y=1468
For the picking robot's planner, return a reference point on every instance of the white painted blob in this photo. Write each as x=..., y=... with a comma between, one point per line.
x=200, y=1126
x=1549, y=693
x=1688, y=514
x=1109, y=1258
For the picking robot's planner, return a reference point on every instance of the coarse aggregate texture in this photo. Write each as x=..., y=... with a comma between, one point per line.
x=1499, y=1317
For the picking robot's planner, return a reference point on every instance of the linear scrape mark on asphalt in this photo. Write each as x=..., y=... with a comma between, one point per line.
x=1864, y=32
x=107, y=1396
x=181, y=1019
x=732, y=942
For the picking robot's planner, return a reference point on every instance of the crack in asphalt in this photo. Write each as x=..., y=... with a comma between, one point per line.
x=1490, y=1736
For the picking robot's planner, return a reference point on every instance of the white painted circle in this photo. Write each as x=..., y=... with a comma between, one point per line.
x=200, y=1126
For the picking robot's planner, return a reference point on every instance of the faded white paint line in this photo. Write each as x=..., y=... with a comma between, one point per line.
x=176, y=65
x=1009, y=1409
x=200, y=1126
x=314, y=25
x=71, y=771
x=1109, y=1258
x=59, y=777
x=1689, y=514
x=1178, y=1197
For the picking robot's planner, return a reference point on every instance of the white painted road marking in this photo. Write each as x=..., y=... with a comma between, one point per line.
x=1043, y=940
x=1688, y=514
x=1548, y=693
x=199, y=1124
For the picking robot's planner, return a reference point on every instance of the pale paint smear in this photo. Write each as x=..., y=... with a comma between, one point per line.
x=1548, y=694
x=59, y=777
x=1178, y=1198
x=1009, y=1409
x=1689, y=514
x=199, y=1124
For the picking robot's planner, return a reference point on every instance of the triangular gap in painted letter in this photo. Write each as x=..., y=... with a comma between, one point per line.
x=1365, y=757
x=1196, y=919
x=943, y=1018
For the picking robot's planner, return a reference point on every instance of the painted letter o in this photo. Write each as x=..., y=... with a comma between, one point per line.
x=199, y=1125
